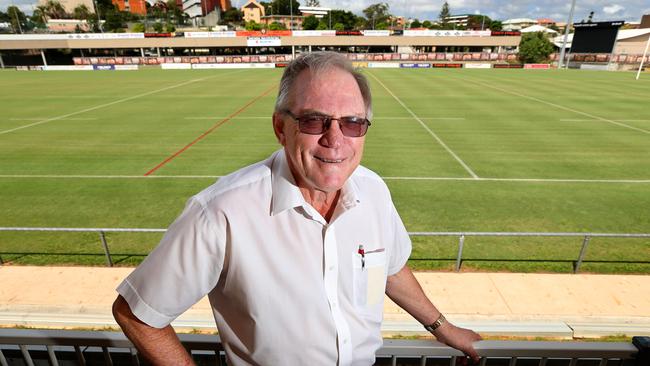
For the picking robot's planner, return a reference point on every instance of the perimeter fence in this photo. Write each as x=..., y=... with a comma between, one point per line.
x=577, y=262
x=61, y=347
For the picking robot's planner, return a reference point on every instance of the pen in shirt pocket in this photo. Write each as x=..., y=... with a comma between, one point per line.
x=363, y=253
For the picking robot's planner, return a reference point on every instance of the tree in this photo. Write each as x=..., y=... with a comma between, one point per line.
x=339, y=27
x=427, y=24
x=445, y=13
x=54, y=10
x=253, y=26
x=38, y=17
x=534, y=47
x=17, y=18
x=174, y=13
x=310, y=23
x=82, y=12
x=415, y=24
x=347, y=18
x=138, y=28
x=377, y=14
x=232, y=16
x=478, y=22
x=282, y=7
x=114, y=21
x=158, y=27
x=496, y=25
x=277, y=26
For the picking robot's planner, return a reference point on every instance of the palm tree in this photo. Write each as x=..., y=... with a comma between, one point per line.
x=54, y=10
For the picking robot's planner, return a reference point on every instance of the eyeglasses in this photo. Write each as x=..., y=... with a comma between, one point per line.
x=316, y=124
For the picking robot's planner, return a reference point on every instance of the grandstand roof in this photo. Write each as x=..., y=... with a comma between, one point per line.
x=537, y=28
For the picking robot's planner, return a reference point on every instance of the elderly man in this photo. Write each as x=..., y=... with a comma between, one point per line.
x=295, y=252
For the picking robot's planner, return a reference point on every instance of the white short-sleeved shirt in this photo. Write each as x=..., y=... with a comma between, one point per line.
x=286, y=287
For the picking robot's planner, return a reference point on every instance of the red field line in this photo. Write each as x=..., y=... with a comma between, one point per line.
x=217, y=125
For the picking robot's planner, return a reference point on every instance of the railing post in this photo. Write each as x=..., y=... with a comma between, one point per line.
x=109, y=261
x=582, y=254
x=461, y=242
x=643, y=345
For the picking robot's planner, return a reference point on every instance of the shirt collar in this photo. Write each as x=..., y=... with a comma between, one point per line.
x=287, y=195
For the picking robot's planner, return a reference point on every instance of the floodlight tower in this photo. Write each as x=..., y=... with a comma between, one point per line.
x=566, y=35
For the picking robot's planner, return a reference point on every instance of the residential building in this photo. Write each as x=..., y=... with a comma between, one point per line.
x=460, y=20
x=201, y=8
x=290, y=22
x=517, y=24
x=253, y=11
x=132, y=6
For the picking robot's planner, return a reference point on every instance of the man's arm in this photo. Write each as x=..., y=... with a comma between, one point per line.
x=403, y=288
x=158, y=346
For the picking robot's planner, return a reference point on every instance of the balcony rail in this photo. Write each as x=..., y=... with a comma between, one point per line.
x=586, y=237
x=62, y=347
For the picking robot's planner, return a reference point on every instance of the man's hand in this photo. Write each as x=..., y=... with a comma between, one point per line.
x=403, y=288
x=459, y=338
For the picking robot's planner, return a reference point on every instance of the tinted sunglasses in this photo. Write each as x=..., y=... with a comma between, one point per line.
x=317, y=124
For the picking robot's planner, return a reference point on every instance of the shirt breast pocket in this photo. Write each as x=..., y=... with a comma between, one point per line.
x=369, y=283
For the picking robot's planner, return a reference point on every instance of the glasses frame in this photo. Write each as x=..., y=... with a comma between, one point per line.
x=327, y=122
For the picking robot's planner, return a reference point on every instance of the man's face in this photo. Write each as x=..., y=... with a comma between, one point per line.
x=322, y=162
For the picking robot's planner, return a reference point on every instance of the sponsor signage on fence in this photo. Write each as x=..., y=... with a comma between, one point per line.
x=349, y=33
x=477, y=66
x=234, y=66
x=508, y=66
x=210, y=34
x=445, y=33
x=263, y=41
x=537, y=66
x=264, y=33
x=179, y=66
x=446, y=65
x=505, y=33
x=376, y=33
x=69, y=68
x=414, y=66
x=45, y=37
x=383, y=65
x=313, y=33
x=103, y=67
x=358, y=64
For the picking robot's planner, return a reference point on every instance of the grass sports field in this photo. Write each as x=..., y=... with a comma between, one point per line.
x=461, y=150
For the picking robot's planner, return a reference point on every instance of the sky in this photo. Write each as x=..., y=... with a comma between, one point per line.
x=558, y=10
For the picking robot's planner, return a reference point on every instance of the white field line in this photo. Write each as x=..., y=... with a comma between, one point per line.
x=556, y=105
x=111, y=103
x=467, y=168
x=523, y=180
x=595, y=120
x=43, y=118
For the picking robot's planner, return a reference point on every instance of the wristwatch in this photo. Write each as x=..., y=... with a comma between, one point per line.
x=435, y=325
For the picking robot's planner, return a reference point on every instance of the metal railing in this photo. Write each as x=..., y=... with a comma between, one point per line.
x=586, y=237
x=59, y=347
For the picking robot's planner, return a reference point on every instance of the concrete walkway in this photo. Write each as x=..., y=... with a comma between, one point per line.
x=509, y=304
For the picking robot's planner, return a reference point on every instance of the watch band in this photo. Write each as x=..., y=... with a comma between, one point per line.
x=435, y=325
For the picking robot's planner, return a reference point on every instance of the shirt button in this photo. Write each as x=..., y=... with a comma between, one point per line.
x=331, y=268
x=345, y=341
x=333, y=304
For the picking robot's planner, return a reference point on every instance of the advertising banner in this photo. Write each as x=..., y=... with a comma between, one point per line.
x=508, y=66
x=103, y=67
x=181, y=66
x=264, y=33
x=313, y=33
x=69, y=68
x=414, y=66
x=234, y=66
x=126, y=67
x=358, y=64
x=375, y=33
x=478, y=66
x=447, y=65
x=43, y=37
x=263, y=41
x=210, y=34
x=444, y=33
x=537, y=66
x=384, y=65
